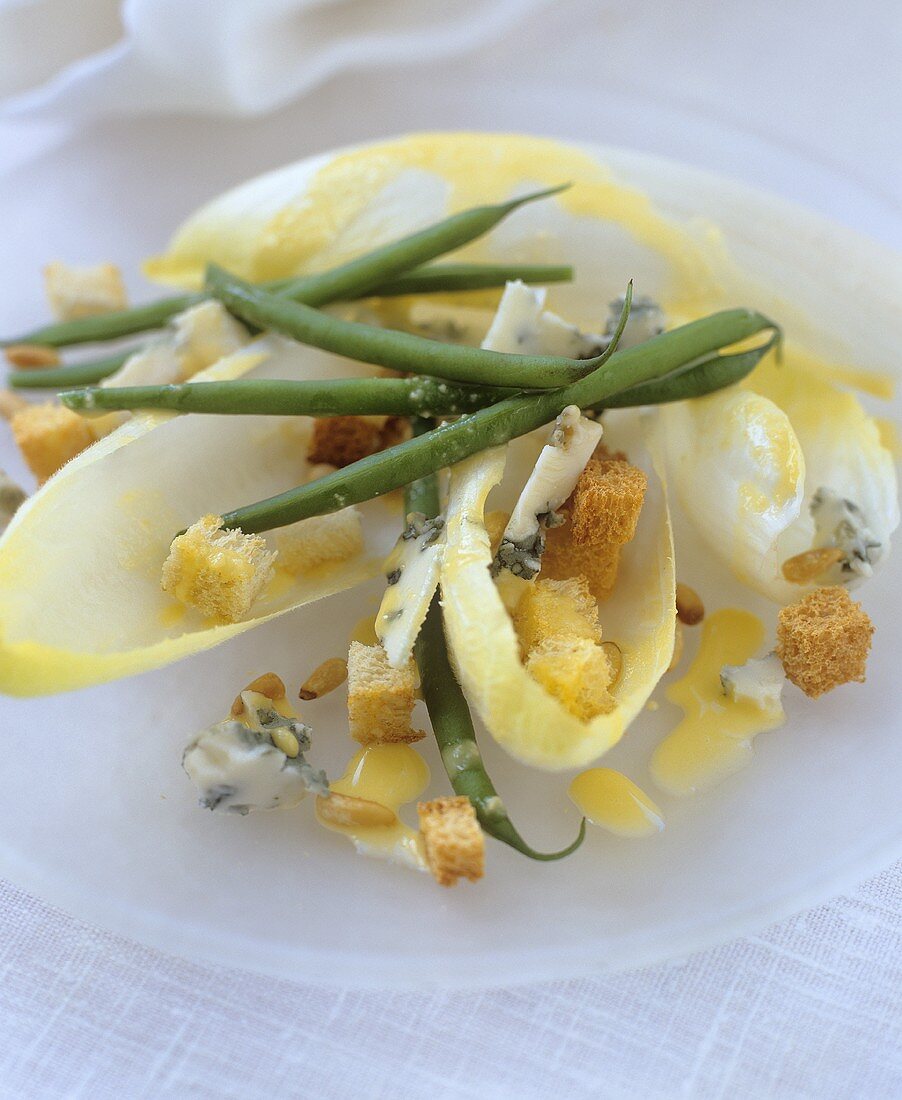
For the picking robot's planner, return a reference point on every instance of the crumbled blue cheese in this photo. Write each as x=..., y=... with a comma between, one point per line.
x=759, y=681
x=841, y=523
x=411, y=575
x=523, y=326
x=552, y=480
x=238, y=768
x=11, y=497
x=646, y=320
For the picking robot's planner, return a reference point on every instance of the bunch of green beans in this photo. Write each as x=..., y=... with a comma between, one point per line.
x=400, y=351
x=392, y=396
x=370, y=274
x=500, y=422
x=447, y=705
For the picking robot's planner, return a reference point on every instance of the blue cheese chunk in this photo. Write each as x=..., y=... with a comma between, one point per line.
x=238, y=767
x=523, y=326
x=411, y=573
x=759, y=682
x=646, y=320
x=841, y=523
x=552, y=480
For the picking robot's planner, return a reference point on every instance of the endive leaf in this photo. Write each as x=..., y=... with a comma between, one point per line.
x=526, y=720
x=80, y=596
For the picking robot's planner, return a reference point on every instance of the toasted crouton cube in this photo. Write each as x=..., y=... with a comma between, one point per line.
x=824, y=640
x=83, y=291
x=577, y=672
x=380, y=698
x=218, y=572
x=565, y=608
x=320, y=540
x=341, y=440
x=49, y=436
x=453, y=837
x=600, y=516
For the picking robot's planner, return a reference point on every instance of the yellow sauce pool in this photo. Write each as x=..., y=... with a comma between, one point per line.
x=392, y=775
x=714, y=739
x=611, y=800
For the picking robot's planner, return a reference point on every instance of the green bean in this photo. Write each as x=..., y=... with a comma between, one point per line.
x=439, y=278
x=497, y=424
x=449, y=713
x=401, y=351
x=76, y=374
x=271, y=397
x=394, y=396
x=355, y=279
x=706, y=375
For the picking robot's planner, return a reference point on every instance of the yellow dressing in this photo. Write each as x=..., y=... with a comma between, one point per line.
x=611, y=800
x=714, y=739
x=391, y=775
x=889, y=436
x=365, y=631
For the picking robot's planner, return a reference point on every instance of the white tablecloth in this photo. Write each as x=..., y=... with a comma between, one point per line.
x=801, y=98
x=809, y=1008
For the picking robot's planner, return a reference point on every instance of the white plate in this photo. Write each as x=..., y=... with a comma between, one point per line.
x=98, y=817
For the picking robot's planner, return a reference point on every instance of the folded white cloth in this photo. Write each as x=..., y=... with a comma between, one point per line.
x=84, y=59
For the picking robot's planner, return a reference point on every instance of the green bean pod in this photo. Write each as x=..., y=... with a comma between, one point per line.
x=514, y=416
x=401, y=351
x=355, y=279
x=445, y=278
x=271, y=397
x=706, y=375
x=76, y=374
x=450, y=714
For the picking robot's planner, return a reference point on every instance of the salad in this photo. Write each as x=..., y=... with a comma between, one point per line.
x=328, y=399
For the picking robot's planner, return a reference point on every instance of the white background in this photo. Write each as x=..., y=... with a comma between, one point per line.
x=799, y=97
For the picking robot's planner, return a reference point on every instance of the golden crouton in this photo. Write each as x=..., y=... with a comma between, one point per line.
x=454, y=841
x=565, y=608
x=11, y=403
x=218, y=572
x=341, y=440
x=577, y=672
x=380, y=698
x=600, y=516
x=32, y=356
x=49, y=436
x=83, y=291
x=824, y=640
x=319, y=540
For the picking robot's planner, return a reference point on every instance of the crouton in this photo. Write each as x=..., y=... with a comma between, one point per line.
x=218, y=572
x=341, y=440
x=11, y=403
x=320, y=540
x=83, y=291
x=823, y=640
x=49, y=436
x=563, y=608
x=32, y=356
x=380, y=698
x=453, y=838
x=600, y=516
x=575, y=671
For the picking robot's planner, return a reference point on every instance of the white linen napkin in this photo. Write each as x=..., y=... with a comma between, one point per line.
x=77, y=60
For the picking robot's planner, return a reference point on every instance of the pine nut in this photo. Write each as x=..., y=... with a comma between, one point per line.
x=331, y=674
x=345, y=811
x=689, y=607
x=269, y=684
x=812, y=563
